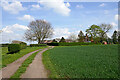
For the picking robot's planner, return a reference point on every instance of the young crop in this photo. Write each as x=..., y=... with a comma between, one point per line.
x=95, y=61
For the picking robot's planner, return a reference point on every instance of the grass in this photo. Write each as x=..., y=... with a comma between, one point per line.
x=4, y=50
x=23, y=67
x=9, y=58
x=96, y=61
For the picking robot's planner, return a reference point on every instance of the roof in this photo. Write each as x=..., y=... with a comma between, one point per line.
x=17, y=42
x=47, y=41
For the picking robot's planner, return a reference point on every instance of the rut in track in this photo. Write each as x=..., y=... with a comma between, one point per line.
x=36, y=68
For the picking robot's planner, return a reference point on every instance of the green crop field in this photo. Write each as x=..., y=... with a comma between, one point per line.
x=97, y=61
x=9, y=58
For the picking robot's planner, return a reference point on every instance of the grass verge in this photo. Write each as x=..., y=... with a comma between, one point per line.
x=48, y=65
x=23, y=67
x=9, y=58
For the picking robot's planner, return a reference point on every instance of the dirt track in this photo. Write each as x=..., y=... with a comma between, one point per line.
x=8, y=71
x=36, y=68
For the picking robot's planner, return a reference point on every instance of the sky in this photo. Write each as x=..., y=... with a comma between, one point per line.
x=65, y=17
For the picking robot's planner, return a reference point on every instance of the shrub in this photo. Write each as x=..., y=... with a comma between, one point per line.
x=13, y=48
x=37, y=45
x=53, y=44
x=23, y=45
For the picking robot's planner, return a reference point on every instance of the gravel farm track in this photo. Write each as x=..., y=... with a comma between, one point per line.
x=35, y=70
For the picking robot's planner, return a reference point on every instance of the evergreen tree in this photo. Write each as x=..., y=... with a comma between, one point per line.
x=54, y=41
x=114, y=37
x=62, y=39
x=81, y=36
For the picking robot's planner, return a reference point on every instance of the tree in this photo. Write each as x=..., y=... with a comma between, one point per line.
x=109, y=40
x=54, y=41
x=114, y=37
x=62, y=40
x=72, y=37
x=94, y=30
x=119, y=37
x=81, y=36
x=104, y=29
x=38, y=31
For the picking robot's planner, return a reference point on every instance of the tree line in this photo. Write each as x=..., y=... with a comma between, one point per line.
x=97, y=34
x=41, y=29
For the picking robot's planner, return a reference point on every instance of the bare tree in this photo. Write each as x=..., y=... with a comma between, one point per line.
x=38, y=31
x=72, y=37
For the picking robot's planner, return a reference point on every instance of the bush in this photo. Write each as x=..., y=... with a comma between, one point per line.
x=53, y=44
x=23, y=45
x=37, y=45
x=13, y=48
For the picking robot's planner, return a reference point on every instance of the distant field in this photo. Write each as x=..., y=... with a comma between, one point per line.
x=9, y=58
x=97, y=61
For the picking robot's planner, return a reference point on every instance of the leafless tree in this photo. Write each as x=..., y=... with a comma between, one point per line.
x=38, y=31
x=72, y=37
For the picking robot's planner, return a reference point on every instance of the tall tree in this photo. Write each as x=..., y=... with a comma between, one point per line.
x=114, y=37
x=38, y=31
x=62, y=39
x=94, y=30
x=104, y=29
x=81, y=36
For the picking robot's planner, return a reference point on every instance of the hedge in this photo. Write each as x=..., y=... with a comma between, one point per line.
x=4, y=45
x=75, y=44
x=23, y=45
x=53, y=44
x=13, y=48
x=37, y=45
x=70, y=44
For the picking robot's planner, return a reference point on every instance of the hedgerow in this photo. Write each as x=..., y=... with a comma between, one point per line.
x=13, y=48
x=37, y=45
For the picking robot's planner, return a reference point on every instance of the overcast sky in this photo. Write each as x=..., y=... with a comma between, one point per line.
x=65, y=17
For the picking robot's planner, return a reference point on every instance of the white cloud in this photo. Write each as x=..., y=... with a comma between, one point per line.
x=7, y=30
x=58, y=6
x=13, y=32
x=65, y=32
x=102, y=5
x=36, y=7
x=13, y=8
x=117, y=17
x=61, y=32
x=26, y=18
x=114, y=24
x=67, y=4
x=14, y=28
x=79, y=6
